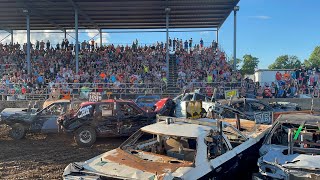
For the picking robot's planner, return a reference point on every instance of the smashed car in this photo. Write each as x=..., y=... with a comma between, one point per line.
x=182, y=100
x=108, y=118
x=291, y=150
x=147, y=102
x=35, y=120
x=253, y=108
x=175, y=148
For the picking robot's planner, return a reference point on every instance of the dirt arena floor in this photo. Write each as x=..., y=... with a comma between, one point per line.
x=41, y=156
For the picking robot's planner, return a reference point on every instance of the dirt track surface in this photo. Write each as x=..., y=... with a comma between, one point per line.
x=41, y=156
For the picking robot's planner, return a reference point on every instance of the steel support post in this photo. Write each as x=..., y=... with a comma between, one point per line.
x=65, y=34
x=100, y=31
x=167, y=40
x=12, y=37
x=28, y=45
x=217, y=36
x=236, y=8
x=77, y=40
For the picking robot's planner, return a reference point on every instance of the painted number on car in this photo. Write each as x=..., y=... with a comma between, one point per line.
x=263, y=117
x=84, y=111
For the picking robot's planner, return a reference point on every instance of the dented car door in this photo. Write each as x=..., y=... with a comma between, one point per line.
x=106, y=119
x=131, y=118
x=46, y=120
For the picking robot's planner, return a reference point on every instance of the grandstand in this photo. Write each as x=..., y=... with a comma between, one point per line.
x=71, y=69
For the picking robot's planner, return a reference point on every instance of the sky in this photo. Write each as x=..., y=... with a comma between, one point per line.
x=265, y=29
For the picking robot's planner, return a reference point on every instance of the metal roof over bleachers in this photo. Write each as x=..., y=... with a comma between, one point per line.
x=114, y=14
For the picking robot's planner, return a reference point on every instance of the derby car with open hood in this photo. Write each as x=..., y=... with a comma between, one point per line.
x=173, y=149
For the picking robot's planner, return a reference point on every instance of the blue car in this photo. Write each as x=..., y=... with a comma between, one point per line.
x=147, y=102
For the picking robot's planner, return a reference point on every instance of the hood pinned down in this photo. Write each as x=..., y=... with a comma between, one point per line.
x=119, y=164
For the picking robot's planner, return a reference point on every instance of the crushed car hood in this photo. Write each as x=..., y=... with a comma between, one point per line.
x=293, y=161
x=118, y=163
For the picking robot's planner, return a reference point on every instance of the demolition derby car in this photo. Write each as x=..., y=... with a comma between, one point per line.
x=176, y=148
x=291, y=149
x=248, y=106
x=147, y=102
x=253, y=108
x=35, y=120
x=108, y=118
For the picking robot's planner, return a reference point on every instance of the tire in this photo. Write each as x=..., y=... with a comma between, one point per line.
x=17, y=131
x=85, y=136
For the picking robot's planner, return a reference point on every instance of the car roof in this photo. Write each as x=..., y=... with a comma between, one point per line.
x=153, y=96
x=299, y=118
x=180, y=129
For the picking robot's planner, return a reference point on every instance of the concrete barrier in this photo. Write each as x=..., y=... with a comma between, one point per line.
x=304, y=103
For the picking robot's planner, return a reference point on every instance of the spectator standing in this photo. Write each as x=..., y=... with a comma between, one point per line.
x=201, y=43
x=66, y=43
x=41, y=45
x=278, y=77
x=48, y=45
x=92, y=44
x=186, y=45
x=190, y=43
x=37, y=45
x=174, y=44
x=63, y=44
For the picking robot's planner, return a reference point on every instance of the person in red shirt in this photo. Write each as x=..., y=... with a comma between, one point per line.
x=278, y=76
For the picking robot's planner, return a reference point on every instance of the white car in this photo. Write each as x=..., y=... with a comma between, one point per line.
x=182, y=100
x=291, y=150
x=176, y=149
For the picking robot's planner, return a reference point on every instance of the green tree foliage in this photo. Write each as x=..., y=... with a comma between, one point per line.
x=286, y=62
x=238, y=62
x=314, y=59
x=249, y=64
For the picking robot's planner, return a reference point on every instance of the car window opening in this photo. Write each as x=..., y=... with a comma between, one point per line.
x=180, y=148
x=307, y=142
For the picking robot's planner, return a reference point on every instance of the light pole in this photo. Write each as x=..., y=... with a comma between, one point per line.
x=235, y=9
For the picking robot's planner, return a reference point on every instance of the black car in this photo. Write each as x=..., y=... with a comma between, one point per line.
x=35, y=120
x=109, y=118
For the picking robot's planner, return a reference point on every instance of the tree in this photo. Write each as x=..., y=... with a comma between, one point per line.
x=314, y=59
x=250, y=63
x=286, y=62
x=238, y=62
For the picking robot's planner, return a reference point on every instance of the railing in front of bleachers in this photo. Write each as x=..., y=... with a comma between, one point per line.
x=13, y=92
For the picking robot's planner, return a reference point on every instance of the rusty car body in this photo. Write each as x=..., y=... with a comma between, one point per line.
x=35, y=120
x=108, y=118
x=291, y=150
x=173, y=149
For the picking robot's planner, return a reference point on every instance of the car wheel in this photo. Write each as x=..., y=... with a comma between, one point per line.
x=17, y=131
x=85, y=136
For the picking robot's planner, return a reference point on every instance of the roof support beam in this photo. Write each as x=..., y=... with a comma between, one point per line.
x=38, y=13
x=75, y=6
x=6, y=29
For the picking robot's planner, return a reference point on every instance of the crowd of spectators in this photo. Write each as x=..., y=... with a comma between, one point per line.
x=135, y=68
x=112, y=65
x=123, y=68
x=294, y=83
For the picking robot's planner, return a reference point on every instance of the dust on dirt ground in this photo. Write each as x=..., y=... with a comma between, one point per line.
x=40, y=156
